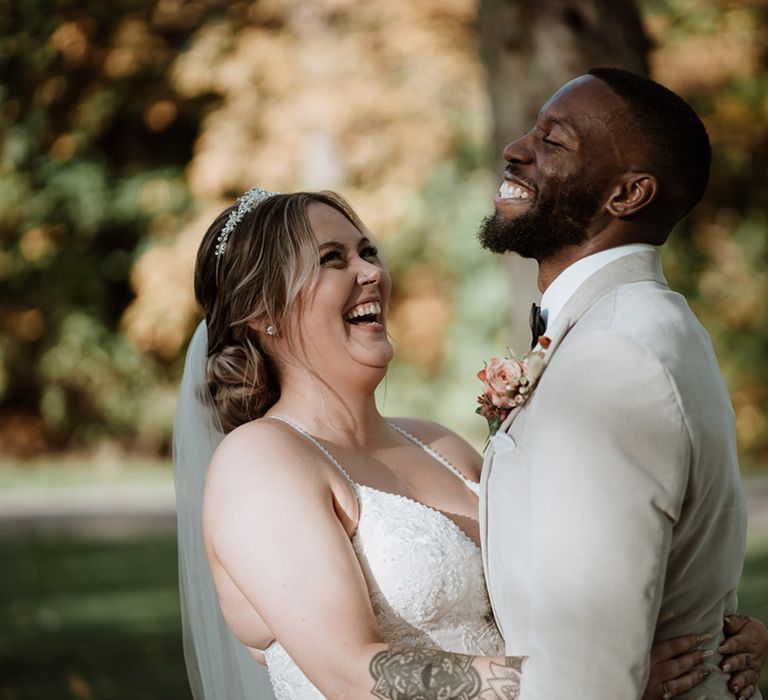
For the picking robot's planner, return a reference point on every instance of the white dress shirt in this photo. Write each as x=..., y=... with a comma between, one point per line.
x=569, y=280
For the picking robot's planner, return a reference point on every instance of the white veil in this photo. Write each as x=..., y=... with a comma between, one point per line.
x=218, y=665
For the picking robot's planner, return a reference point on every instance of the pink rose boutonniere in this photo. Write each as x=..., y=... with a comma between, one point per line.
x=508, y=383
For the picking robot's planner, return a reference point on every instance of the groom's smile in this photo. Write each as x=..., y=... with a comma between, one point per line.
x=516, y=192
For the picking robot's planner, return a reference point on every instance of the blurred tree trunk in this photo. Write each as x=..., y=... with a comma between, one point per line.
x=529, y=50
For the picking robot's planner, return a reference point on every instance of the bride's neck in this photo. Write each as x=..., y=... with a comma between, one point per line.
x=345, y=415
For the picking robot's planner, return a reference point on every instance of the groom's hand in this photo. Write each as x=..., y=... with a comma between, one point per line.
x=744, y=653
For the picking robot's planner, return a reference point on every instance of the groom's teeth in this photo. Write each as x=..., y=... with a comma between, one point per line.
x=510, y=191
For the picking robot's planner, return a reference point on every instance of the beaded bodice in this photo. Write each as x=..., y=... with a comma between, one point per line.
x=424, y=575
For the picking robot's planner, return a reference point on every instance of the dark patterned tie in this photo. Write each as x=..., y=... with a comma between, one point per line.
x=538, y=326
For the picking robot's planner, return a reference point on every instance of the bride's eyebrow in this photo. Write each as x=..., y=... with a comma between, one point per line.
x=330, y=244
x=361, y=243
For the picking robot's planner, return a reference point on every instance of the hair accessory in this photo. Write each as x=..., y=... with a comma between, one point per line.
x=271, y=330
x=245, y=203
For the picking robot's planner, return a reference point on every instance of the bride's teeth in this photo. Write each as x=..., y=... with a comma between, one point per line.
x=372, y=309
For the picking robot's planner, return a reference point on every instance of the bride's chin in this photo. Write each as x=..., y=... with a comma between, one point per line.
x=379, y=359
x=376, y=369
x=383, y=365
x=375, y=372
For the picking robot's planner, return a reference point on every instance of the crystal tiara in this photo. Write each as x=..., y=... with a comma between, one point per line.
x=245, y=203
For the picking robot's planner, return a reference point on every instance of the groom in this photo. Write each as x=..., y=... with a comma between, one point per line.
x=613, y=494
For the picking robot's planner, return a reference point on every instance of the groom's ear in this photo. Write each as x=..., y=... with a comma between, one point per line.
x=632, y=193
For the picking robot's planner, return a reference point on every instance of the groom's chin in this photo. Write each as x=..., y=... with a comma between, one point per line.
x=497, y=235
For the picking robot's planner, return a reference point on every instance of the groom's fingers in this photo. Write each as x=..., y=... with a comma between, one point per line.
x=737, y=662
x=734, y=624
x=747, y=693
x=739, y=683
x=750, y=637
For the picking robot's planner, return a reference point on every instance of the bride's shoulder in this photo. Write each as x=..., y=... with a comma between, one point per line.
x=449, y=444
x=264, y=449
x=265, y=478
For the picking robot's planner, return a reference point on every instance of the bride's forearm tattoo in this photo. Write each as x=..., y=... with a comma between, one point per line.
x=430, y=674
x=504, y=681
x=401, y=674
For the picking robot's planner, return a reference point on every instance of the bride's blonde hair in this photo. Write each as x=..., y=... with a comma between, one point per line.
x=271, y=258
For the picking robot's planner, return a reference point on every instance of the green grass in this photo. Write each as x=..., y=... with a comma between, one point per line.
x=753, y=591
x=90, y=619
x=99, y=620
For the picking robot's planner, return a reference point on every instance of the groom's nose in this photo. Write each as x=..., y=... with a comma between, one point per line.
x=519, y=151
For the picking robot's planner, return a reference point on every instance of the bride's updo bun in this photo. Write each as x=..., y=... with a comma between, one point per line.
x=270, y=257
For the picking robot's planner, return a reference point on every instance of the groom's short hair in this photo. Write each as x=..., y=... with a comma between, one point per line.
x=672, y=133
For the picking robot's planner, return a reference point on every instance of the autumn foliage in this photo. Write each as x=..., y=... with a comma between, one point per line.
x=127, y=126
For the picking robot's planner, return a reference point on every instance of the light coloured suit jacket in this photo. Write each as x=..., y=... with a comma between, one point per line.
x=614, y=494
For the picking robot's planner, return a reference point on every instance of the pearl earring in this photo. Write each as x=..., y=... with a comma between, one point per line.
x=271, y=330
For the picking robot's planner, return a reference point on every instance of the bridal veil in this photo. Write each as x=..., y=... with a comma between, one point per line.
x=218, y=665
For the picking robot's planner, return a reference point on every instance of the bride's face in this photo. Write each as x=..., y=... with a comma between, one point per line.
x=341, y=329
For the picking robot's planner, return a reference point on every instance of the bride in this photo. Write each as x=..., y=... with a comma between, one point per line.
x=342, y=547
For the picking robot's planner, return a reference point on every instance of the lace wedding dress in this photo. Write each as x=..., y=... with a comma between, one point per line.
x=424, y=575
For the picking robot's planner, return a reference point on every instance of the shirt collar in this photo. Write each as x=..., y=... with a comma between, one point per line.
x=570, y=279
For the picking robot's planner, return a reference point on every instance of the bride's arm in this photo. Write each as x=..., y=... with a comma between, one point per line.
x=274, y=519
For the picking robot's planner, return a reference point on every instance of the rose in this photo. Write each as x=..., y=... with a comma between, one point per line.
x=501, y=380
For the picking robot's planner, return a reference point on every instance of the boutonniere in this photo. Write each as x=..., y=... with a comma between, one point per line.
x=508, y=383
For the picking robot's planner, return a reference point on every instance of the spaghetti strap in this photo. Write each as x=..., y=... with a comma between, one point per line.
x=473, y=486
x=316, y=443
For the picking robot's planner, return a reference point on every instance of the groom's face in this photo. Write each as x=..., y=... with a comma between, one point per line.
x=557, y=175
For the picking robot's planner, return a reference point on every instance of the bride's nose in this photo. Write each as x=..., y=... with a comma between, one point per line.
x=368, y=273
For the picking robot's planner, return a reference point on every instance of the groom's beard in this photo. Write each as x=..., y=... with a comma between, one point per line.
x=551, y=225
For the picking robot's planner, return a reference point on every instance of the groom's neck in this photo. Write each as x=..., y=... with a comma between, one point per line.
x=551, y=267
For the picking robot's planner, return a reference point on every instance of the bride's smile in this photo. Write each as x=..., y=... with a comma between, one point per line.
x=343, y=321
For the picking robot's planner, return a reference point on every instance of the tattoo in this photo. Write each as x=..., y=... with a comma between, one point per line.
x=426, y=674
x=429, y=674
x=504, y=681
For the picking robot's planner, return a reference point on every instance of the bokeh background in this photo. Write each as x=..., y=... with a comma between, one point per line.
x=127, y=126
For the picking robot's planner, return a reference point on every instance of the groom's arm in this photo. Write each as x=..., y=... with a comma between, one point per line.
x=606, y=486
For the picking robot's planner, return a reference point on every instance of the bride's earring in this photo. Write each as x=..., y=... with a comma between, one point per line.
x=271, y=330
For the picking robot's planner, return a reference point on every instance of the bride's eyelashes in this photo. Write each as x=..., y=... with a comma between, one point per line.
x=337, y=255
x=330, y=256
x=370, y=251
